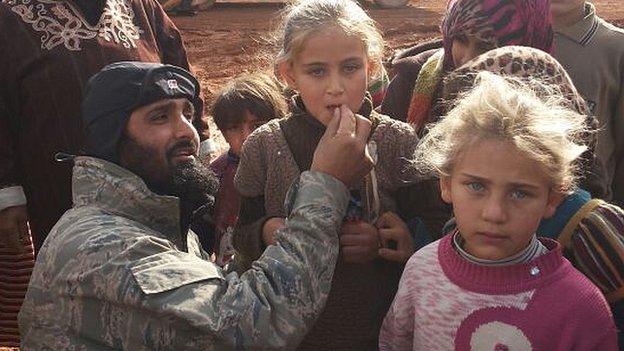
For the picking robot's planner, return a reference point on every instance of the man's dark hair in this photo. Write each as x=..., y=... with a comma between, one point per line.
x=258, y=94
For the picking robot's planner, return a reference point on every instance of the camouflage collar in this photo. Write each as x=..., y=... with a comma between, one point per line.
x=117, y=191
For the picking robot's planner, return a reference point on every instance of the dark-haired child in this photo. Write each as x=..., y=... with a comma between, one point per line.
x=243, y=105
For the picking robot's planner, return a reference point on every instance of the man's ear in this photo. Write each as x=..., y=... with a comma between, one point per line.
x=285, y=70
x=554, y=200
x=445, y=189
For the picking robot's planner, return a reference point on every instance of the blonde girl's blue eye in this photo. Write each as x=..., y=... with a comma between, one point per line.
x=519, y=194
x=316, y=72
x=475, y=187
x=351, y=68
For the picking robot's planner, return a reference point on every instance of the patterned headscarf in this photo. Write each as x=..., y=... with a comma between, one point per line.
x=525, y=62
x=498, y=22
x=517, y=61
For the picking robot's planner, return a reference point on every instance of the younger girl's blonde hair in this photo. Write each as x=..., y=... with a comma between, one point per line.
x=305, y=17
x=509, y=109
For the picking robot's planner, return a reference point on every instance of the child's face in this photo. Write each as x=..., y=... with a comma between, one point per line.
x=499, y=197
x=236, y=134
x=465, y=48
x=331, y=70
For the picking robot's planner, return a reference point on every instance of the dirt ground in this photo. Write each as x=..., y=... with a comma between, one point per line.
x=232, y=37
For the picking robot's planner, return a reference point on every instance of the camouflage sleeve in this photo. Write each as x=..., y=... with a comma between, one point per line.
x=274, y=304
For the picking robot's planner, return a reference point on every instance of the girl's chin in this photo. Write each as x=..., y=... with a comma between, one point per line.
x=487, y=253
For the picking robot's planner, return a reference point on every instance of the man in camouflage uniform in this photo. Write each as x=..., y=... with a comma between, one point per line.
x=121, y=270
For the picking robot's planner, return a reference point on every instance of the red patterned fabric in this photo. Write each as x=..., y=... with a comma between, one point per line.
x=499, y=22
x=15, y=272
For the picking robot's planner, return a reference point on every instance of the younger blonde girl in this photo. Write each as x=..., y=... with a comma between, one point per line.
x=505, y=158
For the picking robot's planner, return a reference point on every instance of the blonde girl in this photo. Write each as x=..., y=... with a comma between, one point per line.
x=329, y=52
x=505, y=158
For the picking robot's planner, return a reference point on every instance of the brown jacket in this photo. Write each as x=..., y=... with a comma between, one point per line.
x=44, y=70
x=361, y=293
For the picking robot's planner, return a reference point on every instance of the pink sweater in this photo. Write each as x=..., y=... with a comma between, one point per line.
x=447, y=303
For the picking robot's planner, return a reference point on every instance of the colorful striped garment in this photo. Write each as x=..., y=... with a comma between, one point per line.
x=378, y=86
x=594, y=241
x=591, y=233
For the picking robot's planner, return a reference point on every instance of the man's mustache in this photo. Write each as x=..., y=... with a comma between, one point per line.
x=182, y=145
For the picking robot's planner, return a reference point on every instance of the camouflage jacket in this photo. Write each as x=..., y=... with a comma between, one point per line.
x=113, y=273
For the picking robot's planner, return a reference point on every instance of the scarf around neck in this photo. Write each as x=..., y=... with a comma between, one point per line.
x=426, y=84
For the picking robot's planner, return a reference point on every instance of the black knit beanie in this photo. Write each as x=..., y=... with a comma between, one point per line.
x=120, y=88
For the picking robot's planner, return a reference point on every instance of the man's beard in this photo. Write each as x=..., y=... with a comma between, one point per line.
x=192, y=182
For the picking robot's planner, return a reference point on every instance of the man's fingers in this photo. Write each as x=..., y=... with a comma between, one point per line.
x=347, y=121
x=362, y=128
x=332, y=126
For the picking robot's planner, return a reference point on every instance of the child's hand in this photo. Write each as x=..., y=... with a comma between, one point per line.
x=393, y=229
x=269, y=228
x=359, y=242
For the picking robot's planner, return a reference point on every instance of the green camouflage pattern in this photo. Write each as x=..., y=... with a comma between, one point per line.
x=116, y=273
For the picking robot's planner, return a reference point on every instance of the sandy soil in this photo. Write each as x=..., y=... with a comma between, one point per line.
x=234, y=37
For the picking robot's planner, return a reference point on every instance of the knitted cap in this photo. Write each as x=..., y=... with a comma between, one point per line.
x=122, y=87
